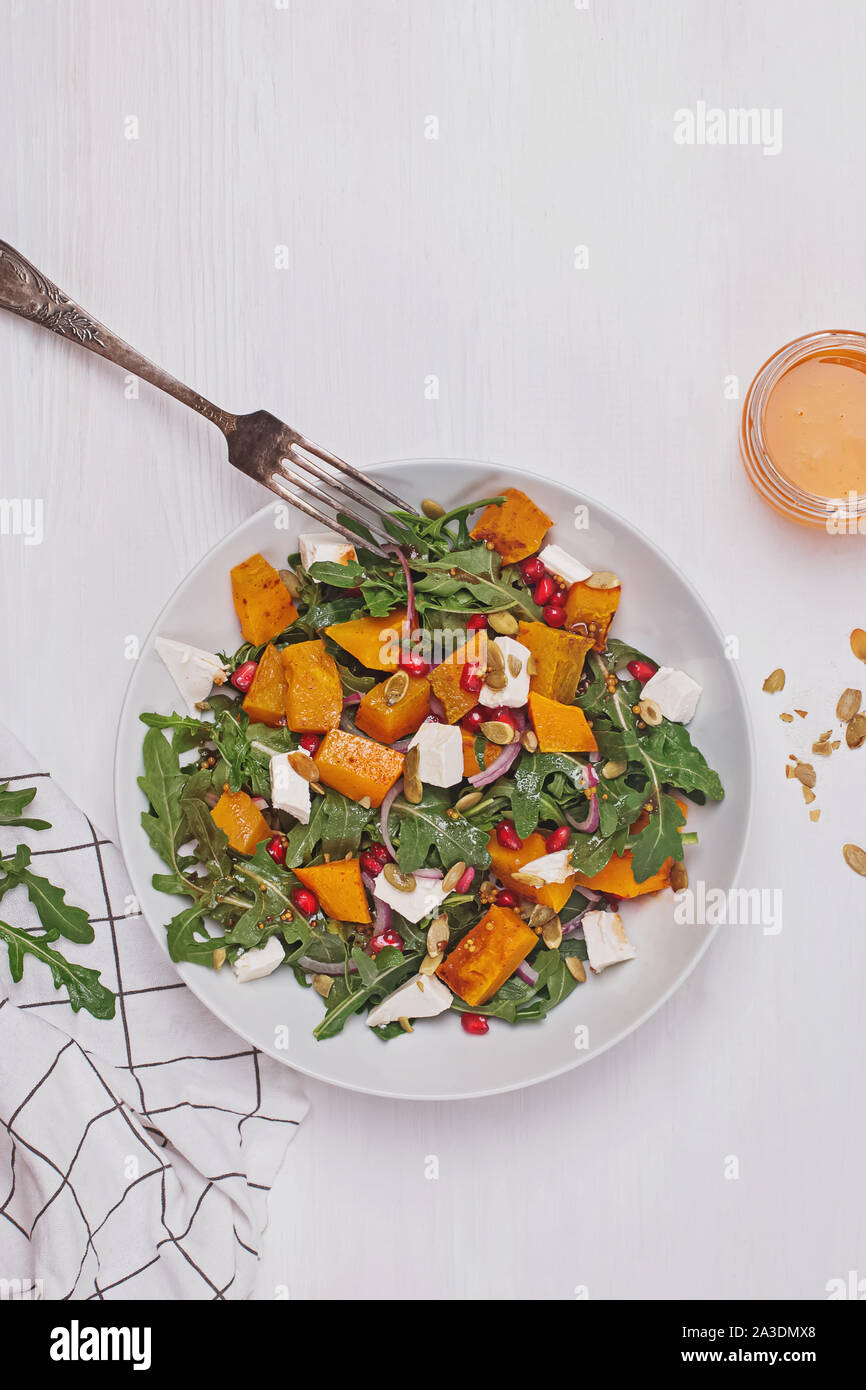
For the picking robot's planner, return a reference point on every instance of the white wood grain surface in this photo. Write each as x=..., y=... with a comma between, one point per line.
x=304, y=125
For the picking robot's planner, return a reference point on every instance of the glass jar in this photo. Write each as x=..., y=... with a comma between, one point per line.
x=836, y=509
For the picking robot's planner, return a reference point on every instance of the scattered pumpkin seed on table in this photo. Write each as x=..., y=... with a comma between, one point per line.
x=849, y=704
x=774, y=682
x=855, y=858
x=855, y=731
x=858, y=643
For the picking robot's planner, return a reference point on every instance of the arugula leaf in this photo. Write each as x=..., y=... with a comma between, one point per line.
x=189, y=939
x=531, y=771
x=58, y=917
x=13, y=803
x=346, y=999
x=82, y=984
x=428, y=825
x=659, y=840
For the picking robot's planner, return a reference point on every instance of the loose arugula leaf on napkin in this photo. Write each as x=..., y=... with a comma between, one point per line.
x=13, y=803
x=82, y=984
x=58, y=917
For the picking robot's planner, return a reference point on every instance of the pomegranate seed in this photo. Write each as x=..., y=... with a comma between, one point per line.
x=277, y=849
x=310, y=743
x=355, y=592
x=532, y=570
x=505, y=899
x=370, y=863
x=472, y=721
x=476, y=1024
x=379, y=852
x=305, y=901
x=465, y=881
x=242, y=677
x=470, y=681
x=508, y=836
x=559, y=597
x=413, y=665
x=642, y=670
x=503, y=715
x=558, y=840
x=554, y=615
x=387, y=938
x=544, y=590
x=477, y=621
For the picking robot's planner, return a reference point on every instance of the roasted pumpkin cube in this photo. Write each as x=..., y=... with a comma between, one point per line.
x=265, y=701
x=560, y=728
x=357, y=766
x=617, y=877
x=314, y=695
x=487, y=955
x=470, y=762
x=590, y=607
x=506, y=863
x=445, y=679
x=262, y=601
x=339, y=888
x=515, y=527
x=558, y=657
x=375, y=642
x=387, y=722
x=238, y=815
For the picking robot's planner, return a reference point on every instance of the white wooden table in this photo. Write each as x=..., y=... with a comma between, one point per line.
x=367, y=216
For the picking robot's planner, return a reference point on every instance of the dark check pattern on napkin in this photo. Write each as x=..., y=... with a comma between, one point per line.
x=136, y=1155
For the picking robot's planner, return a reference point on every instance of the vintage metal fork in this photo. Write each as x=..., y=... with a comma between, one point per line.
x=259, y=444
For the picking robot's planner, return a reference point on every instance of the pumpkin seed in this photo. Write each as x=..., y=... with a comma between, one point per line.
x=367, y=804
x=531, y=666
x=219, y=957
x=822, y=748
x=855, y=731
x=529, y=740
x=825, y=737
x=858, y=643
x=515, y=665
x=849, y=704
x=531, y=881
x=432, y=510
x=396, y=687
x=413, y=790
x=503, y=622
x=603, y=579
x=808, y=795
x=317, y=787
x=805, y=773
x=815, y=815
x=304, y=766
x=650, y=712
x=855, y=858
x=787, y=718
x=612, y=768
x=437, y=935
x=467, y=801
x=430, y=963
x=405, y=1024
x=679, y=879
x=411, y=761
x=407, y=883
x=291, y=582
x=774, y=682
x=453, y=876
x=575, y=967
x=497, y=731
x=323, y=984
x=540, y=915
x=551, y=934
x=496, y=680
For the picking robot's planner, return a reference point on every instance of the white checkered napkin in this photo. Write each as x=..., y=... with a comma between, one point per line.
x=136, y=1155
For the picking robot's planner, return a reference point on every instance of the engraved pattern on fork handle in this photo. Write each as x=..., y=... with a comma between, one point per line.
x=25, y=291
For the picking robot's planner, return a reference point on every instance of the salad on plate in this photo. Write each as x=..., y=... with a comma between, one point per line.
x=423, y=784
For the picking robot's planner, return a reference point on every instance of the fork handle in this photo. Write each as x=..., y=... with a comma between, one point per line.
x=25, y=291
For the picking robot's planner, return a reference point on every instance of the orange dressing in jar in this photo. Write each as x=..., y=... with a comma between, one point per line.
x=803, y=431
x=815, y=425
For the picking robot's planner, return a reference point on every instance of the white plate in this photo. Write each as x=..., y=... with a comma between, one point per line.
x=661, y=614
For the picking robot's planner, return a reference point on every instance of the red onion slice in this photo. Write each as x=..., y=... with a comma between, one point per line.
x=497, y=768
x=526, y=973
x=465, y=881
x=410, y=585
x=590, y=820
x=325, y=967
x=384, y=810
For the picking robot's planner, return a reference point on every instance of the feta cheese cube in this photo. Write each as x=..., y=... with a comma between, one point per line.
x=606, y=941
x=260, y=961
x=422, y=996
x=289, y=790
x=424, y=898
x=193, y=670
x=553, y=868
x=440, y=748
x=675, y=693
x=516, y=690
x=317, y=546
x=563, y=565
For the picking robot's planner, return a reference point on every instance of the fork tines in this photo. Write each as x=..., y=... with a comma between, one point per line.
x=336, y=481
